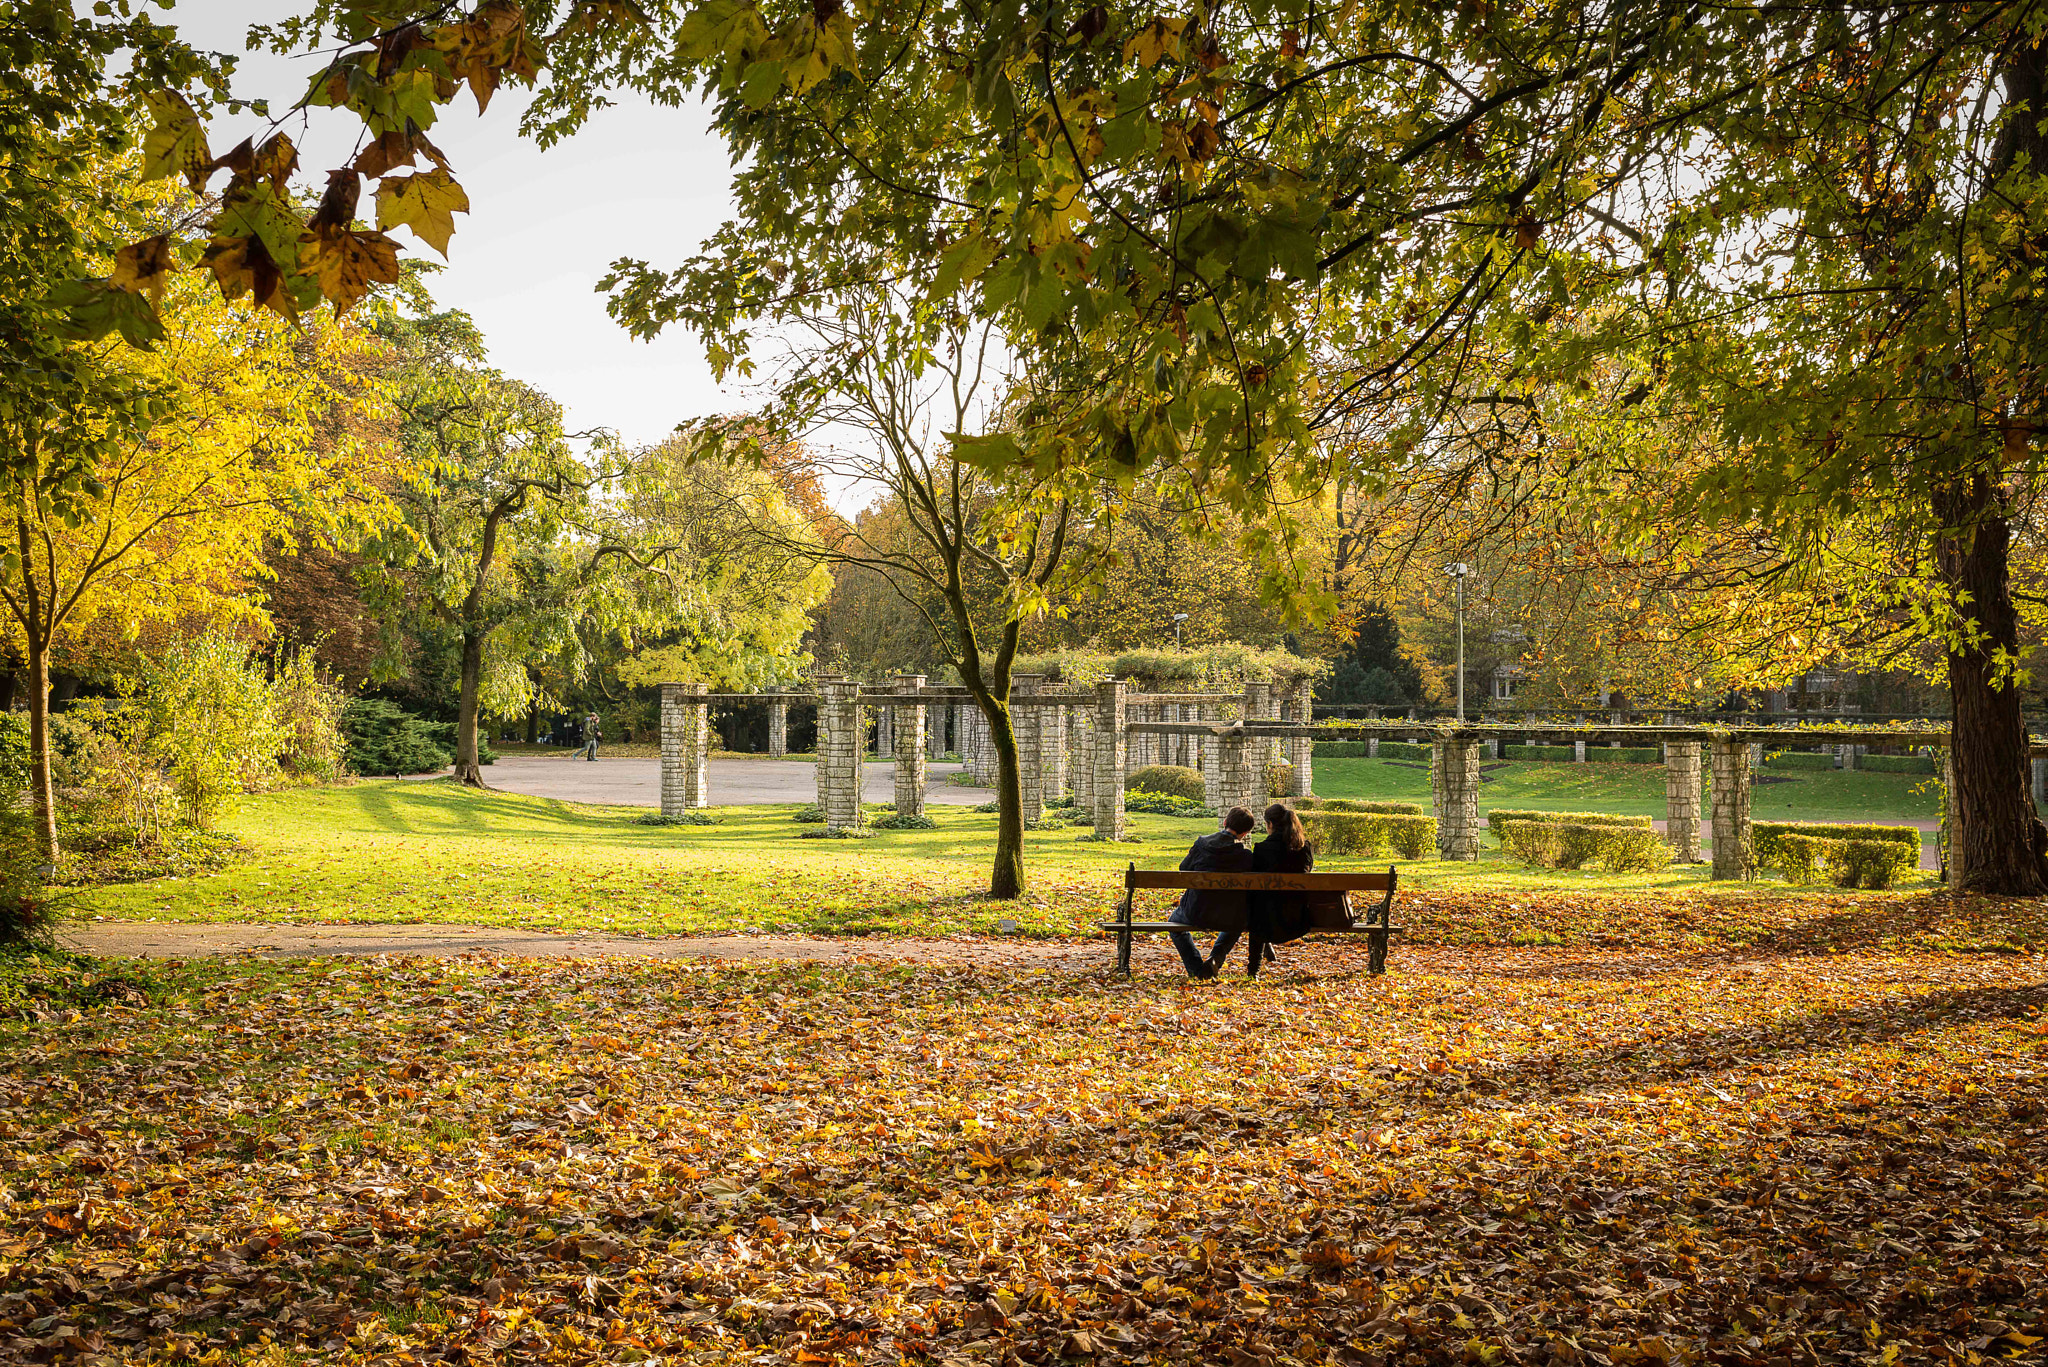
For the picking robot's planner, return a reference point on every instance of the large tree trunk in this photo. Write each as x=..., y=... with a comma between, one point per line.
x=42, y=793
x=1006, y=878
x=1996, y=842
x=466, y=767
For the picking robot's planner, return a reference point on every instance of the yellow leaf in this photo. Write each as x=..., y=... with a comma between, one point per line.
x=347, y=263
x=141, y=267
x=425, y=203
x=177, y=144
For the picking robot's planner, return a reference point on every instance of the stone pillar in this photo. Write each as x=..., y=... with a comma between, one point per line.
x=1301, y=756
x=778, y=726
x=1081, y=735
x=1682, y=798
x=1372, y=747
x=840, y=737
x=885, y=731
x=1028, y=723
x=685, y=748
x=1258, y=706
x=1108, y=727
x=1454, y=778
x=1731, y=810
x=907, y=730
x=1578, y=752
x=1207, y=754
x=2041, y=781
x=935, y=730
x=1053, y=768
x=1945, y=766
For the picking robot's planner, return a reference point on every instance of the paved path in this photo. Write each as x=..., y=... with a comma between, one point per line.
x=734, y=782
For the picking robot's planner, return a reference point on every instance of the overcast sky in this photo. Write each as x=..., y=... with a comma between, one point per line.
x=542, y=228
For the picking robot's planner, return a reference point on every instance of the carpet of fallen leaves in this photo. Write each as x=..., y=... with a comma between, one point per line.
x=1488, y=1156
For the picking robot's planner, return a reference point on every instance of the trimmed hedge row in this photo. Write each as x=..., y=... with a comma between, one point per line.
x=1546, y=753
x=1500, y=816
x=1174, y=780
x=1798, y=759
x=1370, y=834
x=1627, y=754
x=1354, y=804
x=1848, y=863
x=1765, y=837
x=1896, y=764
x=1569, y=845
x=1339, y=749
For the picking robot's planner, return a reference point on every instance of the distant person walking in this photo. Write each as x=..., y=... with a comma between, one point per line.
x=590, y=737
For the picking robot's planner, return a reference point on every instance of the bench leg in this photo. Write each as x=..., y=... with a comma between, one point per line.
x=1376, y=957
x=1123, y=937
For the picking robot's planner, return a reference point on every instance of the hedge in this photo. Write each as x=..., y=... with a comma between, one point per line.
x=1550, y=753
x=1401, y=749
x=1849, y=863
x=1501, y=815
x=1340, y=749
x=1370, y=834
x=1568, y=845
x=1355, y=804
x=1627, y=754
x=1896, y=764
x=1764, y=837
x=1798, y=759
x=1164, y=804
x=1171, y=779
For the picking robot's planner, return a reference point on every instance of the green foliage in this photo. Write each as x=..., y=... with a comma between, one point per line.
x=1798, y=759
x=1401, y=749
x=664, y=819
x=1608, y=754
x=1370, y=834
x=811, y=814
x=1164, y=804
x=1896, y=764
x=1570, y=845
x=1765, y=837
x=1848, y=863
x=1279, y=778
x=1558, y=754
x=1340, y=749
x=1353, y=804
x=309, y=703
x=900, y=821
x=1225, y=665
x=383, y=738
x=28, y=912
x=1171, y=780
x=13, y=752
x=1497, y=819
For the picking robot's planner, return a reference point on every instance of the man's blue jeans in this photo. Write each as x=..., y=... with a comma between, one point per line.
x=1197, y=966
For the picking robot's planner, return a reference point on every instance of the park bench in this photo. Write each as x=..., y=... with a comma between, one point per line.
x=1376, y=923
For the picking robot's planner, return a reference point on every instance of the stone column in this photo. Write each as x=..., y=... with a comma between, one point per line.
x=1081, y=734
x=1730, y=759
x=1053, y=768
x=935, y=729
x=1223, y=776
x=1108, y=727
x=1578, y=752
x=2040, y=771
x=840, y=737
x=885, y=731
x=778, y=726
x=907, y=730
x=1301, y=752
x=1372, y=747
x=685, y=748
x=1028, y=723
x=1258, y=706
x=1207, y=755
x=1682, y=798
x=1945, y=766
x=1454, y=777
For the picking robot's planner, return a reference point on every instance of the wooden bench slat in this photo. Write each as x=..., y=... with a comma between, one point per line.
x=1359, y=929
x=1258, y=882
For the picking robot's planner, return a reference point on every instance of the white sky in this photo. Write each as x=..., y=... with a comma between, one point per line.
x=542, y=227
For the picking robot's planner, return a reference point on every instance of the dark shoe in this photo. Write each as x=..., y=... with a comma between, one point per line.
x=1208, y=971
x=1269, y=954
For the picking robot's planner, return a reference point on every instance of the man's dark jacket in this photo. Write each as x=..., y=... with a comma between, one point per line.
x=1217, y=852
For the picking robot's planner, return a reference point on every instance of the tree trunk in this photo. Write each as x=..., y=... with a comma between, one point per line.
x=1006, y=878
x=467, y=770
x=1996, y=842
x=42, y=793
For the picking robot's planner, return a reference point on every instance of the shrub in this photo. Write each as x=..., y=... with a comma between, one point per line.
x=28, y=913
x=1896, y=764
x=1500, y=816
x=211, y=722
x=903, y=821
x=1847, y=863
x=989, y=807
x=686, y=819
x=1798, y=759
x=1279, y=779
x=843, y=833
x=1549, y=754
x=309, y=702
x=1354, y=804
x=1571, y=845
x=1171, y=779
x=1370, y=834
x=1627, y=754
x=1339, y=749
x=812, y=815
x=13, y=751
x=1766, y=837
x=1165, y=804
x=383, y=738
x=1401, y=749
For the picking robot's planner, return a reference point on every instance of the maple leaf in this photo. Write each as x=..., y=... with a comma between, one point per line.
x=347, y=263
x=392, y=150
x=274, y=161
x=426, y=203
x=244, y=265
x=144, y=266
x=177, y=144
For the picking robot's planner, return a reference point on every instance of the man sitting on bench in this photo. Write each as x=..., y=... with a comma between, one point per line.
x=1221, y=851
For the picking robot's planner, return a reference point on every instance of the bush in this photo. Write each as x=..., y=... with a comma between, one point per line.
x=13, y=752
x=28, y=913
x=1401, y=749
x=383, y=738
x=1549, y=754
x=812, y=815
x=686, y=819
x=1571, y=845
x=211, y=722
x=1339, y=749
x=1165, y=804
x=1354, y=804
x=1765, y=837
x=1173, y=780
x=1798, y=759
x=1370, y=834
x=1279, y=779
x=1500, y=816
x=901, y=821
x=309, y=703
x=1607, y=754
x=1847, y=863
x=1896, y=764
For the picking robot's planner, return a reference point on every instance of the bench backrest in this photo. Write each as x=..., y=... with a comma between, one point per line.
x=1258, y=882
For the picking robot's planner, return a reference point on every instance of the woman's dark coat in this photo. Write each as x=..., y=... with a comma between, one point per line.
x=1279, y=918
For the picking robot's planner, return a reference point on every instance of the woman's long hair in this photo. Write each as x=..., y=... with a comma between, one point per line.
x=1281, y=820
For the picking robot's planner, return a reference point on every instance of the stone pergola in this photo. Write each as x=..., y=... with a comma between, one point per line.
x=1084, y=742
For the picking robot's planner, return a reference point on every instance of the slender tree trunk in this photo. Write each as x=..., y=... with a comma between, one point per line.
x=1006, y=878
x=1996, y=842
x=42, y=793
x=466, y=767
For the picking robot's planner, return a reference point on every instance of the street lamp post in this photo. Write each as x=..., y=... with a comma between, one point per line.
x=1178, y=618
x=1458, y=571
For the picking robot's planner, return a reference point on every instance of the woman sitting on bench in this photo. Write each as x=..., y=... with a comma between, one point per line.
x=1274, y=917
